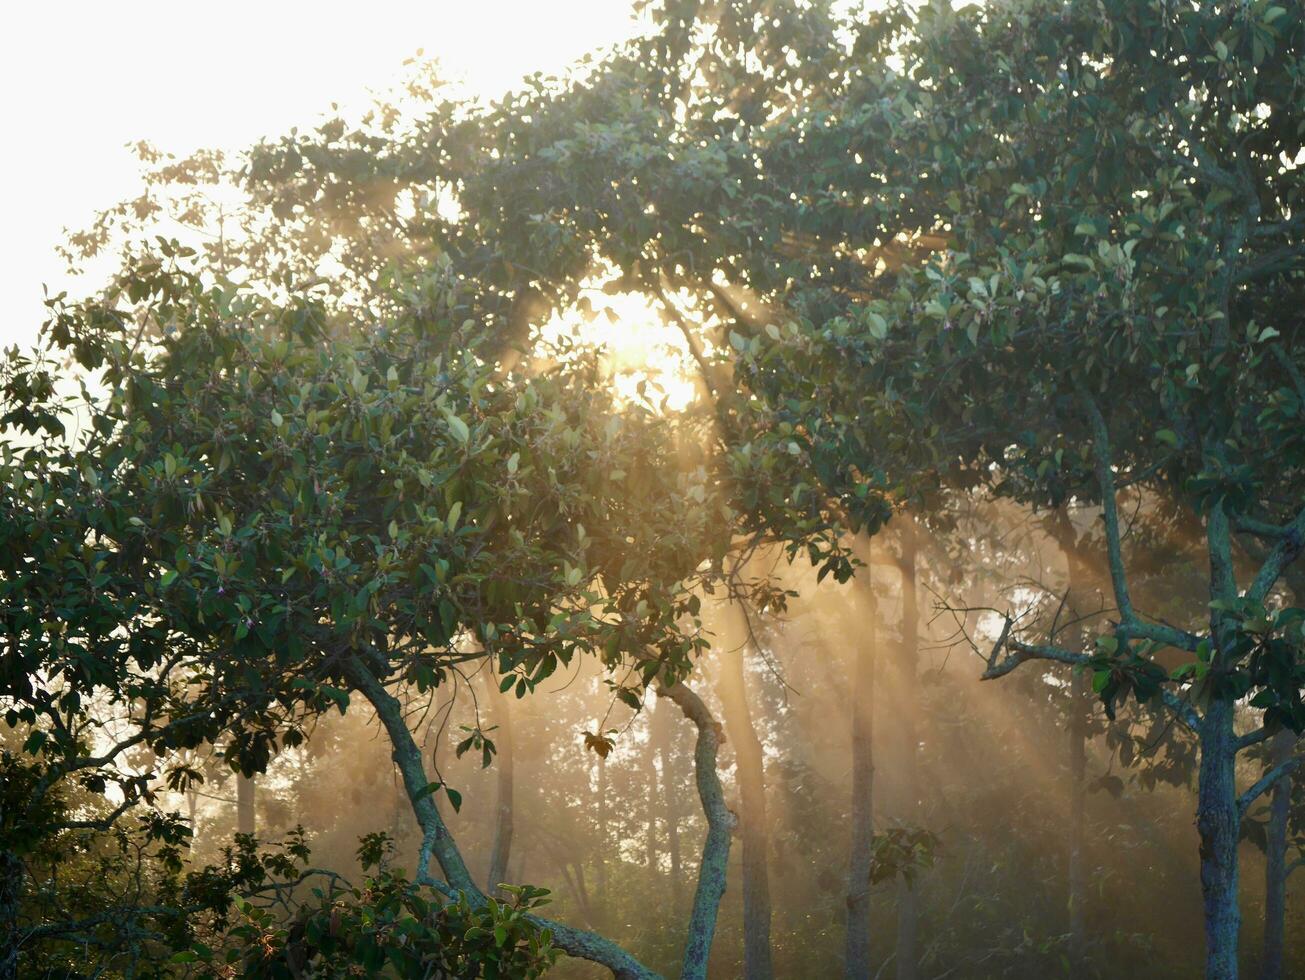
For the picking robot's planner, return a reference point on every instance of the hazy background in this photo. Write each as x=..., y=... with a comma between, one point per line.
x=81, y=80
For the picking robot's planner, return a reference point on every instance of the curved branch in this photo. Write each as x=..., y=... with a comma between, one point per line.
x=1018, y=652
x=437, y=842
x=720, y=823
x=1286, y=551
x=1265, y=782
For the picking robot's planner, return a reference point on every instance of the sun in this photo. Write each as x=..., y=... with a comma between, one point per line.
x=648, y=362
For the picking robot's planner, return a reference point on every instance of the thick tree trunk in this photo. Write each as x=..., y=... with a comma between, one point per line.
x=670, y=797
x=501, y=850
x=856, y=957
x=246, y=790
x=908, y=955
x=1275, y=864
x=1218, y=822
x=11, y=894
x=750, y=758
x=720, y=823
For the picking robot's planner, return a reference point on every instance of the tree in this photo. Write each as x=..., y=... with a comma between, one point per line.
x=1033, y=337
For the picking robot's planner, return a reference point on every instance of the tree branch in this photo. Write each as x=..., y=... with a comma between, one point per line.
x=439, y=843
x=1252, y=738
x=1286, y=551
x=1109, y=507
x=1265, y=782
x=1020, y=652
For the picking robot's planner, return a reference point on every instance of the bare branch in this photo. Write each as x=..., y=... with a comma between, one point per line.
x=1265, y=782
x=1286, y=551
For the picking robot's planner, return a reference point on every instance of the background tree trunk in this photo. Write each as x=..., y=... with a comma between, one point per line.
x=246, y=788
x=1079, y=707
x=652, y=799
x=662, y=722
x=601, y=819
x=11, y=893
x=1275, y=859
x=750, y=758
x=908, y=685
x=501, y=850
x=856, y=958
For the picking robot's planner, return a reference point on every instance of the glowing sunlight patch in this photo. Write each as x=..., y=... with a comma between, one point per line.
x=639, y=348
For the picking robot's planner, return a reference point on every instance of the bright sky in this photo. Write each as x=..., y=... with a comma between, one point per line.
x=81, y=78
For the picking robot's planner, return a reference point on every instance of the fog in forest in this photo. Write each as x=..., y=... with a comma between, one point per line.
x=729, y=488
x=992, y=829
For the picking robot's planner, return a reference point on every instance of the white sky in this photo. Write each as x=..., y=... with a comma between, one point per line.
x=80, y=79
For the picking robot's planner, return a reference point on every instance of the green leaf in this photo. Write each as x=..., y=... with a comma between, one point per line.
x=458, y=428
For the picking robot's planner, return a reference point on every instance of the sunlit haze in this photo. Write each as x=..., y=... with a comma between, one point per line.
x=81, y=80
x=703, y=489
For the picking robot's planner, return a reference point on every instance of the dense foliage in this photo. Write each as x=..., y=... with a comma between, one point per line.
x=952, y=272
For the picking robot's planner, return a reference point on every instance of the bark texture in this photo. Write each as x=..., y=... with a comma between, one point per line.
x=1218, y=823
x=720, y=823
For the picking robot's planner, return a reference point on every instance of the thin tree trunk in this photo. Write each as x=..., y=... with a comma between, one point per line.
x=1080, y=708
x=246, y=790
x=11, y=894
x=1275, y=864
x=583, y=890
x=908, y=684
x=720, y=822
x=602, y=832
x=856, y=958
x=501, y=850
x=575, y=885
x=652, y=797
x=1218, y=824
x=1077, y=883
x=670, y=798
x=522, y=854
x=750, y=758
